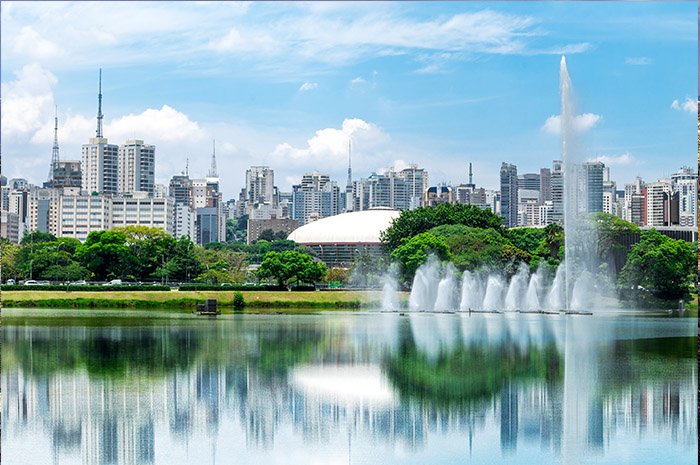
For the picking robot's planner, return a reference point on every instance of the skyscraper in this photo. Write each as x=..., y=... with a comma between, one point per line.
x=557, y=214
x=593, y=172
x=136, y=167
x=100, y=160
x=509, y=194
x=545, y=185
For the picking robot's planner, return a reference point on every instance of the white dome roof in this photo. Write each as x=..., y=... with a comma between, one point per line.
x=354, y=227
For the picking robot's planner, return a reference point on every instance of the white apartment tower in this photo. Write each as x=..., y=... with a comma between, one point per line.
x=136, y=167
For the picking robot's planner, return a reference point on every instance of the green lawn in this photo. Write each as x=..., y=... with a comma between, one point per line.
x=163, y=299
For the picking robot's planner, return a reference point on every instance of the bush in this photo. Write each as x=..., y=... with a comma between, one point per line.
x=235, y=287
x=238, y=300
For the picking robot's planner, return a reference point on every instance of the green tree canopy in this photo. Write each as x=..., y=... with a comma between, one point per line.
x=410, y=223
x=660, y=264
x=36, y=237
x=414, y=251
x=291, y=267
x=105, y=254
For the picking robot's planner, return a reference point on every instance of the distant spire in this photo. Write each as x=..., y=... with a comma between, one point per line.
x=470, y=173
x=54, y=153
x=349, y=165
x=187, y=167
x=212, y=170
x=99, y=108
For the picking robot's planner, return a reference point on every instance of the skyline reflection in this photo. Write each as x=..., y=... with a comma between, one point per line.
x=350, y=388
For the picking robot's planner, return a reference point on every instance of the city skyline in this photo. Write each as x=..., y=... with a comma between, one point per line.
x=438, y=84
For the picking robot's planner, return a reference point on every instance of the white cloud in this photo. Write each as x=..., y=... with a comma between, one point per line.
x=153, y=126
x=329, y=147
x=27, y=100
x=308, y=86
x=246, y=41
x=689, y=105
x=616, y=160
x=30, y=43
x=581, y=123
x=357, y=80
x=638, y=61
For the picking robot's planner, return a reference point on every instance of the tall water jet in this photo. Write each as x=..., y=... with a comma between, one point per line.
x=517, y=289
x=556, y=297
x=447, y=290
x=532, y=299
x=472, y=292
x=580, y=235
x=493, y=300
x=390, y=299
x=425, y=284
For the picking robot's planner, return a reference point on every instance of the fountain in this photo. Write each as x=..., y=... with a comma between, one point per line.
x=436, y=287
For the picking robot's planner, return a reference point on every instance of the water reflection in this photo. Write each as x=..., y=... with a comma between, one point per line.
x=349, y=388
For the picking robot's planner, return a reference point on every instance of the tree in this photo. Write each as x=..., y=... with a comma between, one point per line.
x=410, y=223
x=291, y=267
x=10, y=268
x=184, y=263
x=152, y=248
x=413, y=252
x=105, y=254
x=366, y=270
x=611, y=230
x=36, y=237
x=526, y=239
x=270, y=235
x=661, y=264
x=554, y=237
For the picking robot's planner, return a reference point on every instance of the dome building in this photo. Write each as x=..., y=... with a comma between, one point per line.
x=338, y=240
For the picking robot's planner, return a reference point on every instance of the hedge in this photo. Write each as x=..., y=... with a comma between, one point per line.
x=235, y=287
x=56, y=287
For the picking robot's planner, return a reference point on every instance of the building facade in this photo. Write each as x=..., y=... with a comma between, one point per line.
x=136, y=167
x=509, y=194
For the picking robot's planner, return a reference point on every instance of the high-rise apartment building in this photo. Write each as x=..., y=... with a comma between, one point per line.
x=42, y=210
x=259, y=185
x=557, y=213
x=545, y=185
x=136, y=167
x=417, y=180
x=316, y=197
x=592, y=173
x=657, y=196
x=685, y=184
x=509, y=194
x=67, y=173
x=382, y=190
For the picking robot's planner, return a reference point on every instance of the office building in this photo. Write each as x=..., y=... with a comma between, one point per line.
x=136, y=166
x=509, y=194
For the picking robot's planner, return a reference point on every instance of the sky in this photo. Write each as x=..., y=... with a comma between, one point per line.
x=287, y=85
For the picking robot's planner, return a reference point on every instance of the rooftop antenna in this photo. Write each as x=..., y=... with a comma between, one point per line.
x=212, y=170
x=470, y=173
x=99, y=108
x=187, y=167
x=54, y=153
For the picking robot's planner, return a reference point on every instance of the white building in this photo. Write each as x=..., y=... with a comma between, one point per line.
x=259, y=185
x=658, y=194
x=184, y=221
x=136, y=167
x=685, y=183
x=100, y=166
x=146, y=211
x=42, y=210
x=78, y=216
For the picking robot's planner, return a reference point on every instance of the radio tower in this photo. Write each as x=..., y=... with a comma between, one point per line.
x=212, y=170
x=99, y=108
x=54, y=153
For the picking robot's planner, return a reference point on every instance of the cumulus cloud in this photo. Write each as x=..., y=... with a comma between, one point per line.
x=689, y=105
x=581, y=123
x=27, y=100
x=638, y=61
x=308, y=86
x=329, y=147
x=615, y=160
x=164, y=125
x=30, y=43
x=357, y=80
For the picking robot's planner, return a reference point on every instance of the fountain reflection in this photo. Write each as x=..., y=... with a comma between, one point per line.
x=375, y=383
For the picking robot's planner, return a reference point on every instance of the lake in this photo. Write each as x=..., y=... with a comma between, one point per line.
x=159, y=387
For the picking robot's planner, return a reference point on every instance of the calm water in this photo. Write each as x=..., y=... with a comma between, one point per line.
x=168, y=388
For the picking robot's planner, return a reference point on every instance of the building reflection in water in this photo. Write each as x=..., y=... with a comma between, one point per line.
x=571, y=387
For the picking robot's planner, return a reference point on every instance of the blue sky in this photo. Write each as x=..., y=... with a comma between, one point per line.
x=286, y=85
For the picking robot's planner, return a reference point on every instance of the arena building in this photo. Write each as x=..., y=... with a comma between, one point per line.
x=338, y=240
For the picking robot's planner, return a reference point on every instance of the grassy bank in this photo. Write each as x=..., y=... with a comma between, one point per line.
x=188, y=299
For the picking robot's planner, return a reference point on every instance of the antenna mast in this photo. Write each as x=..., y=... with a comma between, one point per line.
x=99, y=108
x=54, y=153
